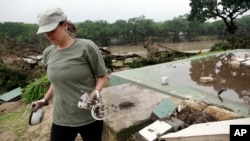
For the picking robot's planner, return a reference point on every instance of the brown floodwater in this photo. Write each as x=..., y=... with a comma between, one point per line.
x=183, y=46
x=235, y=82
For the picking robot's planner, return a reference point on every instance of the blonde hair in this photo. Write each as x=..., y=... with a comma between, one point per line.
x=71, y=29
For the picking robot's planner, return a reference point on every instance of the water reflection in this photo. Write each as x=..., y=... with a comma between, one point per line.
x=233, y=83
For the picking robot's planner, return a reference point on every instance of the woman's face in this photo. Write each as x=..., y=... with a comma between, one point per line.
x=56, y=36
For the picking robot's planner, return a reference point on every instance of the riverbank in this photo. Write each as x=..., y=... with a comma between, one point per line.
x=182, y=46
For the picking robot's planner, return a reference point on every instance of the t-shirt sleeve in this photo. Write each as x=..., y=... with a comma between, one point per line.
x=95, y=59
x=45, y=57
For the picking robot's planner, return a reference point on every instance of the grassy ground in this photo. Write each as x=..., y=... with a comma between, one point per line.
x=13, y=120
x=14, y=123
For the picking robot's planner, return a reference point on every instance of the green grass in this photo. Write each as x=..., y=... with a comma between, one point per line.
x=15, y=122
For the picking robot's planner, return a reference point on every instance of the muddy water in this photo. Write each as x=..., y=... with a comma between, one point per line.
x=184, y=46
x=235, y=82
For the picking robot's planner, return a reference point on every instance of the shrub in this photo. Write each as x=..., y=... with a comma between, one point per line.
x=36, y=90
x=221, y=47
x=11, y=79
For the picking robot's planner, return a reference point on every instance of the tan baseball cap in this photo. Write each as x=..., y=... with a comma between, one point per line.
x=49, y=19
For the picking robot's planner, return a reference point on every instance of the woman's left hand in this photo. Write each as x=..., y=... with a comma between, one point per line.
x=94, y=96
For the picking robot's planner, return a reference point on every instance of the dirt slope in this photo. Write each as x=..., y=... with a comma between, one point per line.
x=17, y=128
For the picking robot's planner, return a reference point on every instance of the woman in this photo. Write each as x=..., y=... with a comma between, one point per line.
x=73, y=66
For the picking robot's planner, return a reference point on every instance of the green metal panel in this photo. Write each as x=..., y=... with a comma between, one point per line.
x=164, y=109
x=11, y=94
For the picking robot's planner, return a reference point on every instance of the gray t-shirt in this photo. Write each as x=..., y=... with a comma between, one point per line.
x=71, y=71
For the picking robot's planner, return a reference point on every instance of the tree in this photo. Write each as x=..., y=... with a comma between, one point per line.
x=120, y=32
x=177, y=26
x=227, y=10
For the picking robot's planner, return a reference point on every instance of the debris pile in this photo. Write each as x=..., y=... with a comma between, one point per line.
x=170, y=118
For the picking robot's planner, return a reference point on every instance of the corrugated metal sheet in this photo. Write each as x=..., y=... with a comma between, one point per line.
x=11, y=94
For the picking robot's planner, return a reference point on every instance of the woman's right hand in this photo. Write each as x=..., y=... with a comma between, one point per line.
x=38, y=104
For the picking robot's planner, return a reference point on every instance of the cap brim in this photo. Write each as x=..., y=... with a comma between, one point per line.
x=47, y=28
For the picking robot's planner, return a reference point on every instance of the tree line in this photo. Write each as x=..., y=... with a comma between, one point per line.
x=121, y=32
x=138, y=29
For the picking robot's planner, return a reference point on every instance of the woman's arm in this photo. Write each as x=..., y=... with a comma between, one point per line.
x=49, y=93
x=100, y=82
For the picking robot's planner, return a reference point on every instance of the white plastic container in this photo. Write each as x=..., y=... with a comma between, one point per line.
x=164, y=80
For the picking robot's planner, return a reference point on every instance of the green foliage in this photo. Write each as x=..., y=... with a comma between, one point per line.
x=231, y=39
x=150, y=61
x=136, y=64
x=11, y=79
x=21, y=37
x=221, y=47
x=108, y=61
x=98, y=31
x=146, y=61
x=227, y=10
x=243, y=43
x=202, y=10
x=232, y=43
x=36, y=89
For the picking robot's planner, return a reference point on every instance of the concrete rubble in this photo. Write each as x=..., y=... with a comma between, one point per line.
x=122, y=121
x=147, y=115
